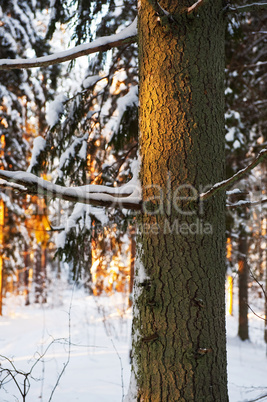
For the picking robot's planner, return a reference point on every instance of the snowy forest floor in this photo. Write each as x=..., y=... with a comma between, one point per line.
x=77, y=349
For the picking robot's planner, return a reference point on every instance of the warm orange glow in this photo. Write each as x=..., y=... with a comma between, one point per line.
x=4, y=122
x=2, y=213
x=230, y=294
x=110, y=270
x=38, y=222
x=30, y=275
x=229, y=248
x=46, y=176
x=2, y=221
x=263, y=227
x=3, y=141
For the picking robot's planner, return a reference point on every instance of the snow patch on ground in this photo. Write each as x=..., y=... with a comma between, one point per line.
x=97, y=332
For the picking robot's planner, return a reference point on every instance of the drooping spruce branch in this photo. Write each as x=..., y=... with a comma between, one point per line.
x=223, y=185
x=126, y=196
x=127, y=36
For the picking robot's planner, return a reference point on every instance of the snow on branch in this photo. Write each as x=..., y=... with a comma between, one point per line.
x=246, y=203
x=247, y=7
x=127, y=196
x=237, y=176
x=12, y=186
x=258, y=64
x=128, y=35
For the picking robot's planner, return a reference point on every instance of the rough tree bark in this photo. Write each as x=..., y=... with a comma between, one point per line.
x=179, y=345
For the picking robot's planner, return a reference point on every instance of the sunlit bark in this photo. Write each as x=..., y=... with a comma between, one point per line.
x=179, y=346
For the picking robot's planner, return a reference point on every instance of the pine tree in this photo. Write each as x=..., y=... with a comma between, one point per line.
x=245, y=136
x=179, y=350
x=22, y=116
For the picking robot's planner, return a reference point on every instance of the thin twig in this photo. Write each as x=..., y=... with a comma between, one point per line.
x=260, y=285
x=122, y=383
x=257, y=315
x=244, y=203
x=259, y=398
x=258, y=64
x=237, y=176
x=69, y=349
x=247, y=7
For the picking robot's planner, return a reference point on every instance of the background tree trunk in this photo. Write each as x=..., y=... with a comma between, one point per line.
x=26, y=275
x=265, y=307
x=2, y=222
x=243, y=285
x=132, y=263
x=179, y=345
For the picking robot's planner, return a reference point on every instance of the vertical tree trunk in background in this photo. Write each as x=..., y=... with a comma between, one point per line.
x=265, y=305
x=2, y=222
x=1, y=285
x=243, y=286
x=44, y=276
x=40, y=274
x=26, y=275
x=179, y=342
x=132, y=262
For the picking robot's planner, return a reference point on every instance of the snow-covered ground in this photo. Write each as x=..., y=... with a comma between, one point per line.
x=247, y=361
x=82, y=342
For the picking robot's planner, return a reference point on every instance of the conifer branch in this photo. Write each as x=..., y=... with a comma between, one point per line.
x=127, y=36
x=237, y=176
x=247, y=204
x=247, y=8
x=101, y=196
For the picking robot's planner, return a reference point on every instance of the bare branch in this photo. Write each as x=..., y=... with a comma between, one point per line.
x=258, y=64
x=227, y=183
x=260, y=285
x=69, y=350
x=195, y=6
x=128, y=35
x=126, y=196
x=247, y=8
x=257, y=315
x=245, y=203
x=259, y=398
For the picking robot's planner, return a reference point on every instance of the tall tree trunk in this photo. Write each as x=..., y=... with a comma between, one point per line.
x=26, y=275
x=243, y=285
x=40, y=274
x=265, y=305
x=2, y=222
x=1, y=284
x=132, y=262
x=179, y=342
